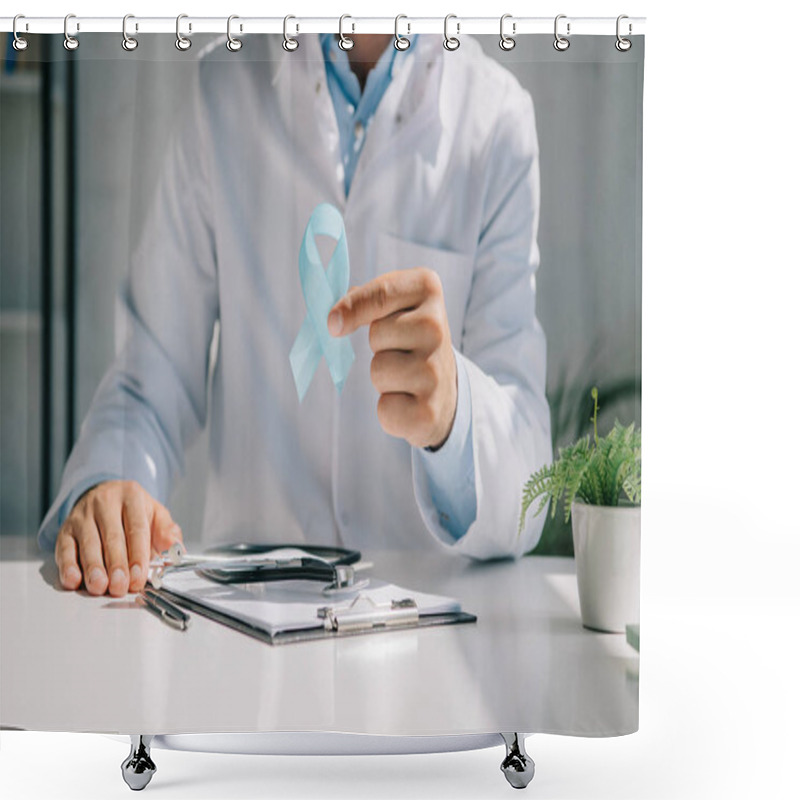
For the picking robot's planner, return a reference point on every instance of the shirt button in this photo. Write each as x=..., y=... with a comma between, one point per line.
x=359, y=129
x=318, y=87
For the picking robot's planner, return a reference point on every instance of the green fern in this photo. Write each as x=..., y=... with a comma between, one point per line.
x=595, y=470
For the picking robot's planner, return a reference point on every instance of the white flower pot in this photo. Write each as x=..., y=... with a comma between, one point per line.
x=607, y=543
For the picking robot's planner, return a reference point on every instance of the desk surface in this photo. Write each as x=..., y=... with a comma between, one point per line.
x=71, y=662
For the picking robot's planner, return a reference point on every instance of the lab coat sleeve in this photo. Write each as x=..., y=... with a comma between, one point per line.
x=503, y=348
x=152, y=400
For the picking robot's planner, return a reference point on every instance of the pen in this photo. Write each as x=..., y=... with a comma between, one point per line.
x=163, y=608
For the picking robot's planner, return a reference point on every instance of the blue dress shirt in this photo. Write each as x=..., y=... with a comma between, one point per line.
x=450, y=469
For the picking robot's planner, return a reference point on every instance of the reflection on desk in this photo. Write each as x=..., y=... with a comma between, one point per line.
x=98, y=664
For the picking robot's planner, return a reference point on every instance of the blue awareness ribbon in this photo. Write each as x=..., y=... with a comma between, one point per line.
x=322, y=289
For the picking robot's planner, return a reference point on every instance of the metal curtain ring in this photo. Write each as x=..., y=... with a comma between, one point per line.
x=622, y=44
x=289, y=44
x=507, y=42
x=233, y=44
x=19, y=43
x=129, y=43
x=345, y=42
x=401, y=42
x=451, y=42
x=561, y=43
x=70, y=42
x=182, y=42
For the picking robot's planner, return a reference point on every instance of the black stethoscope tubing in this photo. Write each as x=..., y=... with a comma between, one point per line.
x=309, y=569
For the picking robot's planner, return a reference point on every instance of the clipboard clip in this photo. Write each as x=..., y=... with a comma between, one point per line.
x=364, y=614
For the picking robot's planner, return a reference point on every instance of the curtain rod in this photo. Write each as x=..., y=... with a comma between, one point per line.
x=512, y=26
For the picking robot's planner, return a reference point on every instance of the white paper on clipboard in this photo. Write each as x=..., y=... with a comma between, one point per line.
x=279, y=606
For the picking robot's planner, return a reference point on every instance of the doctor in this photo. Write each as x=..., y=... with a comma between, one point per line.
x=432, y=158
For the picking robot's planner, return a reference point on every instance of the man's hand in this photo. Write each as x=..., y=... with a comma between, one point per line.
x=414, y=368
x=108, y=538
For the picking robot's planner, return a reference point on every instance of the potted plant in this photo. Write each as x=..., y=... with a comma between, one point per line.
x=598, y=480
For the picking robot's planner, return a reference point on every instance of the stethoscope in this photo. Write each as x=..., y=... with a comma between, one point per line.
x=259, y=563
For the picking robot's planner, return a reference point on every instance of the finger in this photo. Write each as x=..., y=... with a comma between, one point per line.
x=90, y=550
x=165, y=530
x=406, y=417
x=137, y=535
x=396, y=371
x=66, y=555
x=407, y=330
x=108, y=516
x=394, y=291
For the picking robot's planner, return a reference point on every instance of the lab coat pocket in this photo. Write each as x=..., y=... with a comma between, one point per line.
x=454, y=270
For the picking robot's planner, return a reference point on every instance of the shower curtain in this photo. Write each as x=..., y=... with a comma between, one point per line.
x=312, y=296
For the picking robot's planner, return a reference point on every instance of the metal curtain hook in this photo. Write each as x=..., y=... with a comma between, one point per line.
x=19, y=43
x=345, y=42
x=507, y=42
x=401, y=42
x=233, y=44
x=451, y=42
x=289, y=44
x=129, y=43
x=561, y=43
x=70, y=42
x=182, y=42
x=622, y=44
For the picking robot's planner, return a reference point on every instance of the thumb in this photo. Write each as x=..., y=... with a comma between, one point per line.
x=164, y=530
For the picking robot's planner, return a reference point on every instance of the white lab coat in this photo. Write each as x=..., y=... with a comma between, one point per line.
x=448, y=179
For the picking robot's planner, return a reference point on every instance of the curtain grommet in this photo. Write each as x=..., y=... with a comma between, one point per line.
x=70, y=42
x=129, y=43
x=345, y=42
x=289, y=44
x=622, y=44
x=401, y=42
x=233, y=44
x=19, y=43
x=561, y=43
x=507, y=42
x=451, y=43
x=183, y=43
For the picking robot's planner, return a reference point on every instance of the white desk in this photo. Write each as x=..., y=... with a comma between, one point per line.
x=71, y=662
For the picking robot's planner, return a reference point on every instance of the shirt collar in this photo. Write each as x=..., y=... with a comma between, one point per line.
x=338, y=65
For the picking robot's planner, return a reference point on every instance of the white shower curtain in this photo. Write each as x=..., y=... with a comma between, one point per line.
x=159, y=207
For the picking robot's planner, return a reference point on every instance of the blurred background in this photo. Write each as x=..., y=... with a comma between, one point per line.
x=75, y=130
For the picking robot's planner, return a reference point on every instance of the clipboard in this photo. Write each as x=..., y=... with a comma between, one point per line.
x=381, y=608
